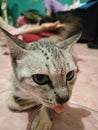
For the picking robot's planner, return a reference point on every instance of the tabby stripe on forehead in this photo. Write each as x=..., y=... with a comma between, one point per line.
x=55, y=65
x=48, y=68
x=68, y=65
x=61, y=54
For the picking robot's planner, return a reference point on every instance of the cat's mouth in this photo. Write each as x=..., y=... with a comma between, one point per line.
x=58, y=108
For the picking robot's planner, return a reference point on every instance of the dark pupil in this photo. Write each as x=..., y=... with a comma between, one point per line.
x=70, y=76
x=41, y=79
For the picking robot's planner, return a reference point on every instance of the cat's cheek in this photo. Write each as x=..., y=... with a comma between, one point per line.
x=70, y=92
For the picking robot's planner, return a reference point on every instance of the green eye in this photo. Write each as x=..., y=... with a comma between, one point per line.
x=70, y=75
x=40, y=79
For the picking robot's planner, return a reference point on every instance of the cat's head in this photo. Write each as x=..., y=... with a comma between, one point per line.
x=44, y=72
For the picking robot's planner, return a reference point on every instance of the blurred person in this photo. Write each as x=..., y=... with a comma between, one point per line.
x=28, y=32
x=30, y=28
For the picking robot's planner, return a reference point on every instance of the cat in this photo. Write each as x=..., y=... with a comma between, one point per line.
x=44, y=73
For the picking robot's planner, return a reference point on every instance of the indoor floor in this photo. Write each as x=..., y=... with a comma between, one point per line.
x=81, y=113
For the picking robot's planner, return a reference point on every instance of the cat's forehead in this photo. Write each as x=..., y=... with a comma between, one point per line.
x=46, y=57
x=42, y=45
x=46, y=49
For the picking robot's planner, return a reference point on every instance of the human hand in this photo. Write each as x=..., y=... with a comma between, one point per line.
x=52, y=26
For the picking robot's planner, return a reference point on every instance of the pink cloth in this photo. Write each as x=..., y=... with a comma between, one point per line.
x=35, y=37
x=21, y=20
x=30, y=37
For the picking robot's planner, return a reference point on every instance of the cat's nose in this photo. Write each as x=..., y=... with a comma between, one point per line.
x=61, y=100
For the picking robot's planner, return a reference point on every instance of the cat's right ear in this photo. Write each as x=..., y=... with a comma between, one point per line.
x=16, y=46
x=69, y=42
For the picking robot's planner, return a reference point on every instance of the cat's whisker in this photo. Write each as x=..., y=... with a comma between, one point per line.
x=37, y=107
x=29, y=97
x=22, y=99
x=23, y=90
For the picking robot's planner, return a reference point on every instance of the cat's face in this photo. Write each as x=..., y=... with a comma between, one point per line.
x=44, y=72
x=47, y=76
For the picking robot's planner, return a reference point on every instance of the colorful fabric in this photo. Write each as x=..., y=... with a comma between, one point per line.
x=21, y=21
x=35, y=37
x=55, y=6
x=89, y=4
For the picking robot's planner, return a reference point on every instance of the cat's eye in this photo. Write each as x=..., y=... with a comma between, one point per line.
x=40, y=79
x=70, y=75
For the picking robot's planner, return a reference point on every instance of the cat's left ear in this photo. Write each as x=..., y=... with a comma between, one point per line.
x=16, y=46
x=68, y=43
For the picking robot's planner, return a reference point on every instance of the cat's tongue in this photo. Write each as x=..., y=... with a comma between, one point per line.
x=59, y=108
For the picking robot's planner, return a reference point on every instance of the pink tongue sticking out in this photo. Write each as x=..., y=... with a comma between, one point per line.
x=59, y=108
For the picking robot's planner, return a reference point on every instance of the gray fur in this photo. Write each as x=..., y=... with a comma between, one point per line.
x=42, y=57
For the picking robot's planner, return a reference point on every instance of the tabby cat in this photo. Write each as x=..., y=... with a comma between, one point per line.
x=44, y=74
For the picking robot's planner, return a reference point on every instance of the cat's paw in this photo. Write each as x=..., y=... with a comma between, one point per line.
x=15, y=106
x=12, y=104
x=41, y=122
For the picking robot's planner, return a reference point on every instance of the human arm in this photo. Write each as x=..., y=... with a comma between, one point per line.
x=36, y=29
